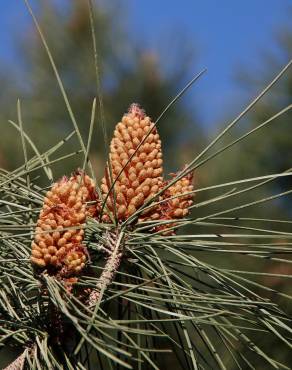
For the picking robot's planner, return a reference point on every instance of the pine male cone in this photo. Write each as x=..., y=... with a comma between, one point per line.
x=64, y=207
x=142, y=176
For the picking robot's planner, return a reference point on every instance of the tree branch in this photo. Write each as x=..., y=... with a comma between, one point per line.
x=115, y=246
x=17, y=364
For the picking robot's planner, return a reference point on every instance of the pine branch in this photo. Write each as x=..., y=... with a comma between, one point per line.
x=17, y=364
x=114, y=245
x=169, y=295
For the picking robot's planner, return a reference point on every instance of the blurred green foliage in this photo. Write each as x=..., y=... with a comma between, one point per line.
x=129, y=73
x=265, y=151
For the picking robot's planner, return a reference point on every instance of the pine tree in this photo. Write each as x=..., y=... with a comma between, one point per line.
x=102, y=274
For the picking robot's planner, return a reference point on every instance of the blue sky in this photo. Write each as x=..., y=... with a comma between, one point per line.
x=225, y=34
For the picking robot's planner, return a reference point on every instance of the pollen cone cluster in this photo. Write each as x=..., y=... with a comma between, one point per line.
x=141, y=178
x=180, y=199
x=136, y=168
x=56, y=246
x=177, y=200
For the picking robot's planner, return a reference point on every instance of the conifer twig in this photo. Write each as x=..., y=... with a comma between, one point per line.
x=17, y=364
x=115, y=246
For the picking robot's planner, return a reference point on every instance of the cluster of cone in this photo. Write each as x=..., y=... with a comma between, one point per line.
x=59, y=232
x=136, y=170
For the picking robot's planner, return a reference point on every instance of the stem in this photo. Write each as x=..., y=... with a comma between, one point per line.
x=115, y=245
x=17, y=364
